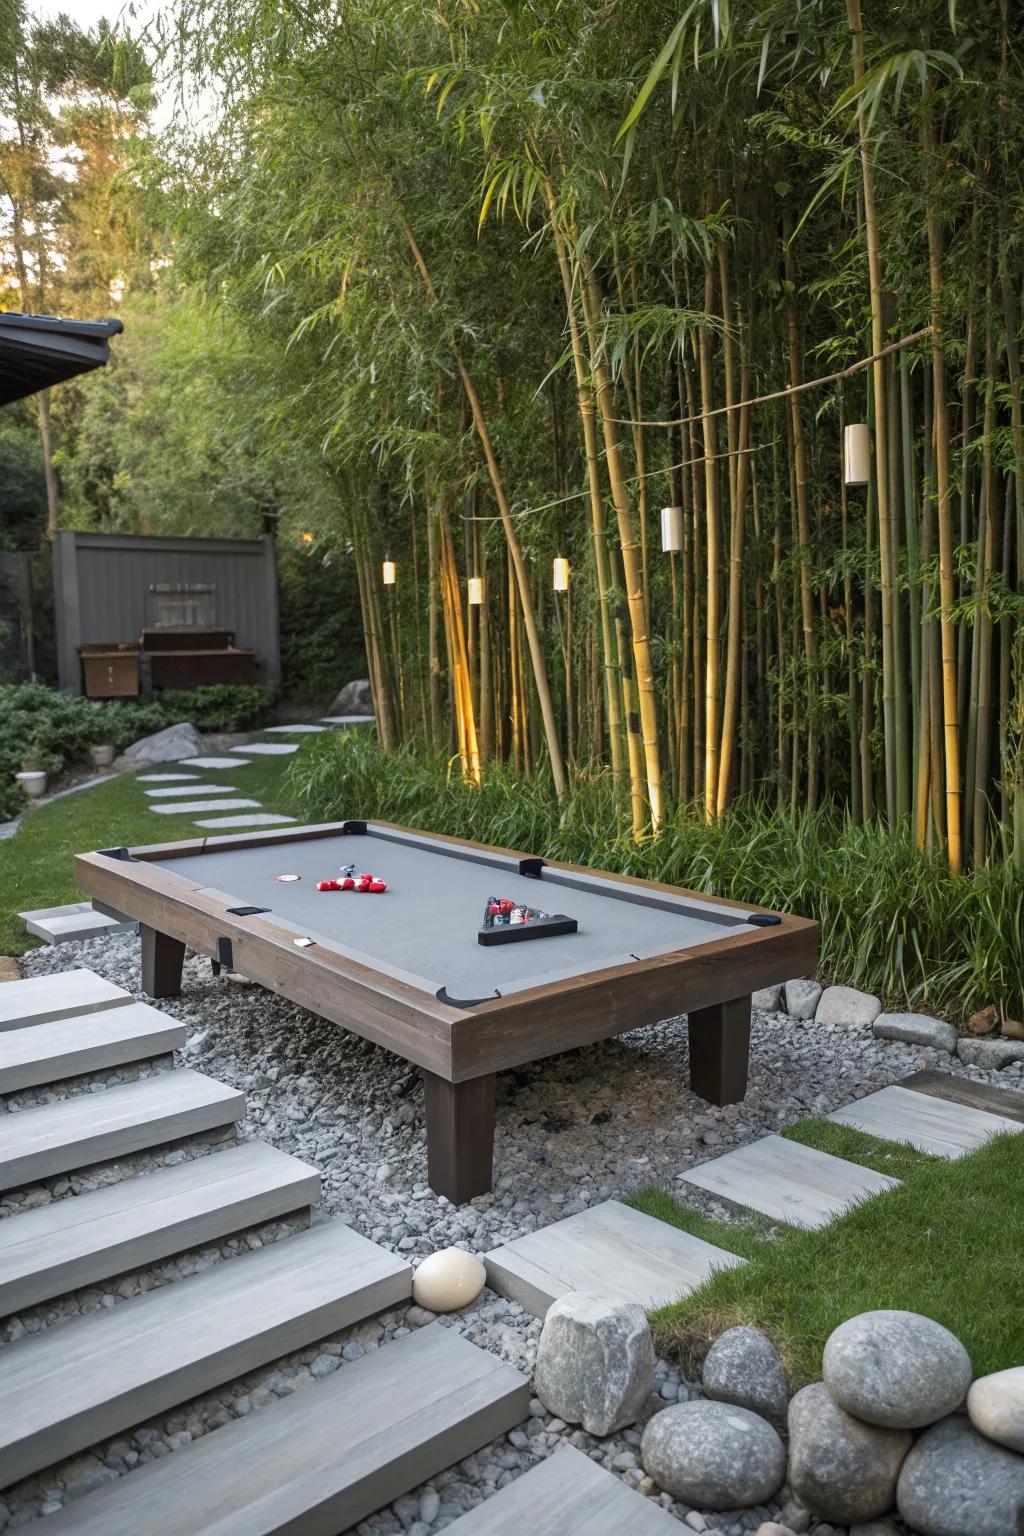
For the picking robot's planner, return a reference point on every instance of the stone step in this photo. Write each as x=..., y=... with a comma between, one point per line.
x=609, y=1248
x=92, y=1127
x=86, y=1238
x=36, y=999
x=567, y=1495
x=788, y=1181
x=45, y=1053
x=267, y=748
x=320, y=1461
x=292, y=730
x=193, y=807
x=77, y=920
x=81, y=1383
x=933, y=1125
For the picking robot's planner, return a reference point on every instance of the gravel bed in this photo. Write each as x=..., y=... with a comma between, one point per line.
x=571, y=1131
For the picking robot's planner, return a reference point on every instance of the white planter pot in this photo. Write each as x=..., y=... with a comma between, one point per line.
x=101, y=755
x=33, y=782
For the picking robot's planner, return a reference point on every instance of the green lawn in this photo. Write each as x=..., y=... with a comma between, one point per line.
x=36, y=864
x=948, y=1243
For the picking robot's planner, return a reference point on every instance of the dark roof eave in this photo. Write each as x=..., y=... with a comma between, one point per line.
x=37, y=351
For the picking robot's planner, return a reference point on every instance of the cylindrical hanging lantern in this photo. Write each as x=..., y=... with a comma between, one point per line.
x=560, y=571
x=857, y=453
x=389, y=573
x=671, y=529
x=476, y=591
x=306, y=539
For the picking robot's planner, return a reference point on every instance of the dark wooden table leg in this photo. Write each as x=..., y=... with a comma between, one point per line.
x=720, y=1051
x=162, y=960
x=460, y=1136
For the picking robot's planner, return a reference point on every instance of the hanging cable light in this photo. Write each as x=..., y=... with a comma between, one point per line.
x=857, y=453
x=671, y=529
x=476, y=591
x=560, y=574
x=389, y=573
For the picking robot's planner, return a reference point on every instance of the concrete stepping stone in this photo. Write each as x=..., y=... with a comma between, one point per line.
x=35, y=999
x=292, y=730
x=81, y=1383
x=164, y=778
x=788, y=1181
x=269, y=748
x=610, y=1248
x=191, y=807
x=262, y=819
x=567, y=1495
x=212, y=762
x=964, y=1090
x=348, y=719
x=92, y=1127
x=933, y=1125
x=48, y=1053
x=60, y=1247
x=326, y=1457
x=77, y=920
x=193, y=789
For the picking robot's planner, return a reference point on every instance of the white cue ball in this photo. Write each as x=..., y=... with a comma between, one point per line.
x=448, y=1280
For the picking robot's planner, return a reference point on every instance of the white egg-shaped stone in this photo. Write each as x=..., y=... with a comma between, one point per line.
x=448, y=1280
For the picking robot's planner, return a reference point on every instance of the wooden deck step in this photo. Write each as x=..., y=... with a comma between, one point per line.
x=567, y=1495
x=38, y=1143
x=45, y=1053
x=934, y=1125
x=37, y=999
x=320, y=1461
x=86, y=1238
x=609, y=1248
x=1008, y=1102
x=79, y=1384
x=788, y=1181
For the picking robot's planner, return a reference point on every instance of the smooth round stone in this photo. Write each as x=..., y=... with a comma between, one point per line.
x=897, y=1369
x=713, y=1455
x=995, y=1406
x=448, y=1280
x=955, y=1481
x=743, y=1367
x=841, y=1468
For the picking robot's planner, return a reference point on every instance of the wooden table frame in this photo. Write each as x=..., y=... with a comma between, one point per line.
x=459, y=1049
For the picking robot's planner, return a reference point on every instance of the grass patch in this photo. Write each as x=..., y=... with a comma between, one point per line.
x=896, y=1158
x=36, y=864
x=947, y=1243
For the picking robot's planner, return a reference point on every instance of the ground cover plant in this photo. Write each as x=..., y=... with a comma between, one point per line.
x=893, y=919
x=941, y=1244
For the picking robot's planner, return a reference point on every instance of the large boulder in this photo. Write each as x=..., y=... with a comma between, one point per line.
x=166, y=746
x=957, y=1483
x=846, y=1008
x=743, y=1367
x=841, y=1468
x=713, y=1455
x=992, y=1055
x=916, y=1029
x=356, y=698
x=896, y=1369
x=995, y=1406
x=801, y=997
x=595, y=1362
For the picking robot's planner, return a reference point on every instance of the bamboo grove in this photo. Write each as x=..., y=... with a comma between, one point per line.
x=530, y=273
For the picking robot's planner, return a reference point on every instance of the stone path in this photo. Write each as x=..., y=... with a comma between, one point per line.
x=256, y=819
x=292, y=730
x=189, y=807
x=788, y=1181
x=211, y=762
x=193, y=789
x=268, y=748
x=165, y=778
x=933, y=1125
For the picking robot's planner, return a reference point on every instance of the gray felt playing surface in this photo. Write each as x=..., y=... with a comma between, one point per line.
x=424, y=928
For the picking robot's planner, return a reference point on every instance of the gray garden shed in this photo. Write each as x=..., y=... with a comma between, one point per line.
x=110, y=587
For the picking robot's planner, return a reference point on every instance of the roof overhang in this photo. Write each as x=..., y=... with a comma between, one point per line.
x=39, y=350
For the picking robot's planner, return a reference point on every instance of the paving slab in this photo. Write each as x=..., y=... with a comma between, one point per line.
x=788, y=1181
x=567, y=1495
x=348, y=719
x=164, y=778
x=77, y=920
x=211, y=762
x=192, y=789
x=60, y=1048
x=35, y=999
x=256, y=819
x=609, y=1248
x=934, y=1125
x=192, y=807
x=292, y=730
x=268, y=748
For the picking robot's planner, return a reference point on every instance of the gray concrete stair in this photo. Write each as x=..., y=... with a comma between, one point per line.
x=92, y=1127
x=86, y=1238
x=77, y=920
x=78, y=1384
x=46, y=1053
x=567, y=1495
x=35, y=999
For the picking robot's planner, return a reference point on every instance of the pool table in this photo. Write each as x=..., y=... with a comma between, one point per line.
x=405, y=968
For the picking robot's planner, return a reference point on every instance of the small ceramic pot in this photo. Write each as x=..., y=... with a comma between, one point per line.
x=101, y=755
x=33, y=782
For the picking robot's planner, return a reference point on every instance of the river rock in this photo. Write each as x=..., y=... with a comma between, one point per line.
x=984, y=1021
x=1013, y=1029
x=993, y=1055
x=743, y=1367
x=896, y=1369
x=356, y=698
x=995, y=1406
x=768, y=999
x=956, y=1482
x=595, y=1362
x=713, y=1455
x=841, y=1468
x=801, y=997
x=916, y=1029
x=846, y=1008
x=166, y=746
